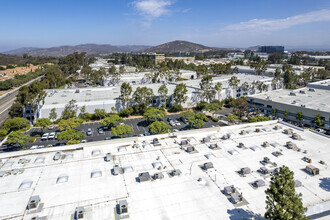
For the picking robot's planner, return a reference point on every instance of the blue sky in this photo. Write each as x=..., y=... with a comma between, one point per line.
x=221, y=23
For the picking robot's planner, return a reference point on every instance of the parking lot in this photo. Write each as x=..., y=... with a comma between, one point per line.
x=139, y=126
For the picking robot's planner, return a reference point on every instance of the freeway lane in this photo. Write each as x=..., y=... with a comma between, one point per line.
x=5, y=104
x=6, y=101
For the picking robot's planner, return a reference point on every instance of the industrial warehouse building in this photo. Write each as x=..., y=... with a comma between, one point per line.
x=108, y=97
x=134, y=178
x=312, y=100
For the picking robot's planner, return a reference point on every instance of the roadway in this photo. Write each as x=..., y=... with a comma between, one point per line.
x=7, y=99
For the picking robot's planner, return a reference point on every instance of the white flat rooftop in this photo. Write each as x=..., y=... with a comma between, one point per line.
x=317, y=99
x=177, y=197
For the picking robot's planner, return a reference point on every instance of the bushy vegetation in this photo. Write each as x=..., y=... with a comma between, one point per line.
x=258, y=118
x=175, y=108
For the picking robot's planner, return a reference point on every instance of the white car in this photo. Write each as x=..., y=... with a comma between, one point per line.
x=177, y=123
x=34, y=147
x=100, y=131
x=51, y=127
x=172, y=123
x=83, y=141
x=175, y=130
x=45, y=137
x=51, y=136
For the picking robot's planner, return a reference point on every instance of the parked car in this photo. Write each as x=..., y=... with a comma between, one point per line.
x=83, y=141
x=51, y=136
x=89, y=131
x=108, y=138
x=169, y=119
x=34, y=147
x=51, y=127
x=177, y=123
x=45, y=137
x=184, y=120
x=100, y=131
x=172, y=123
x=105, y=128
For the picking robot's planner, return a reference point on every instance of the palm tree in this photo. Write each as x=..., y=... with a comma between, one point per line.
x=233, y=83
x=245, y=86
x=218, y=88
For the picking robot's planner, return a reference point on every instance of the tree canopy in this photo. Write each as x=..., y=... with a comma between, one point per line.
x=69, y=124
x=282, y=202
x=121, y=130
x=111, y=120
x=159, y=127
x=42, y=122
x=17, y=137
x=153, y=114
x=180, y=92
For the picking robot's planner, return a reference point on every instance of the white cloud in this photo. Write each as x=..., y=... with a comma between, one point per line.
x=151, y=9
x=278, y=24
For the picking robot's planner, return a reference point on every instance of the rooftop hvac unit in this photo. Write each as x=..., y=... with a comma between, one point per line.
x=184, y=142
x=296, y=136
x=190, y=149
x=236, y=198
x=302, y=92
x=292, y=94
x=143, y=177
x=57, y=156
x=311, y=90
x=266, y=160
x=259, y=183
x=158, y=176
x=108, y=157
x=264, y=170
x=229, y=189
x=312, y=170
x=116, y=170
x=176, y=172
x=206, y=140
x=245, y=170
x=213, y=146
x=79, y=213
x=208, y=165
x=265, y=144
x=123, y=207
x=277, y=127
x=258, y=130
x=33, y=202
x=243, y=132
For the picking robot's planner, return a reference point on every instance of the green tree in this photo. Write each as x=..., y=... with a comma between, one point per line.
x=162, y=92
x=195, y=122
x=218, y=88
x=14, y=124
x=125, y=93
x=114, y=74
x=153, y=114
x=42, y=122
x=206, y=86
x=100, y=114
x=16, y=110
x=187, y=114
x=202, y=70
x=233, y=83
x=53, y=114
x=122, y=130
x=282, y=202
x=68, y=124
x=159, y=127
x=180, y=92
x=111, y=120
x=143, y=95
x=71, y=135
x=231, y=118
x=318, y=120
x=299, y=116
x=288, y=79
x=17, y=137
x=70, y=110
x=274, y=111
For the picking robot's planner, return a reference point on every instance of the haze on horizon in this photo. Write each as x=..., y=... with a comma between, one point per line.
x=217, y=23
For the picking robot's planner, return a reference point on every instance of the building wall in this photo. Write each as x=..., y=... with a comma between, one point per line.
x=267, y=106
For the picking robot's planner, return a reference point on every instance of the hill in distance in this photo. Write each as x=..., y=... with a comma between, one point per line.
x=90, y=49
x=178, y=46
